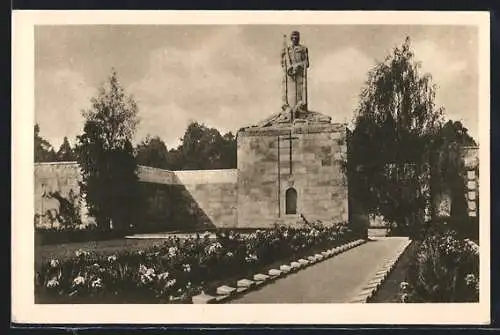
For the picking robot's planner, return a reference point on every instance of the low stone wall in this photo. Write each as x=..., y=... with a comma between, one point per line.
x=172, y=199
x=59, y=179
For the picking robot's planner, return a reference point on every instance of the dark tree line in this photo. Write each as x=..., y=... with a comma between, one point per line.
x=45, y=152
x=201, y=148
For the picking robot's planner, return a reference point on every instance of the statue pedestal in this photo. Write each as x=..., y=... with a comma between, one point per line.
x=290, y=169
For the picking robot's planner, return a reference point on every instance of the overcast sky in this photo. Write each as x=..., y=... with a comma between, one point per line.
x=229, y=76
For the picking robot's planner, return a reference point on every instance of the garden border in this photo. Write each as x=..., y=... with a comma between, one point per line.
x=225, y=292
x=371, y=288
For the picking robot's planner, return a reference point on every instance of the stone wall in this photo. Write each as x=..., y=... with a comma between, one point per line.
x=443, y=201
x=270, y=163
x=209, y=195
x=172, y=199
x=470, y=156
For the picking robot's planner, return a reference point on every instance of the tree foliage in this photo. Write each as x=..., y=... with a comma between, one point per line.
x=65, y=152
x=106, y=157
x=449, y=173
x=43, y=150
x=396, y=122
x=204, y=148
x=153, y=152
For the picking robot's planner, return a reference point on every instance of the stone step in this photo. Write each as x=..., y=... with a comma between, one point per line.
x=225, y=290
x=245, y=283
x=203, y=299
x=260, y=277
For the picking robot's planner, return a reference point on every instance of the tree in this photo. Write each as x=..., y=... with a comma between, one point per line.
x=153, y=152
x=205, y=148
x=175, y=159
x=65, y=152
x=389, y=147
x=105, y=154
x=229, y=150
x=44, y=152
x=454, y=131
x=448, y=170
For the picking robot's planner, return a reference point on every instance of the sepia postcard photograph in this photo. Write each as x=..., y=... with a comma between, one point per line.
x=236, y=167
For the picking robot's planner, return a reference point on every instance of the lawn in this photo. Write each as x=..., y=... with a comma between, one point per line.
x=66, y=250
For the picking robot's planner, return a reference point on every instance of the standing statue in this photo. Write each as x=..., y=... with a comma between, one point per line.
x=295, y=62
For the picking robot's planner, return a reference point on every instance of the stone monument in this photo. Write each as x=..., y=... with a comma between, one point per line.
x=290, y=165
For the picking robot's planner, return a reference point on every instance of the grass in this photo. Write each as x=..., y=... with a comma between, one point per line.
x=67, y=250
x=389, y=291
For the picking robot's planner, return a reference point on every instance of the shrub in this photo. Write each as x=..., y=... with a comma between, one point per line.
x=444, y=269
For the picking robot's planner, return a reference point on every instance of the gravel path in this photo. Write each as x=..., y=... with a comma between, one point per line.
x=335, y=280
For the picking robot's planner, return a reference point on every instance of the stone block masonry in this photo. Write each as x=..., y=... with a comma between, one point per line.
x=291, y=170
x=60, y=177
x=282, y=173
x=181, y=199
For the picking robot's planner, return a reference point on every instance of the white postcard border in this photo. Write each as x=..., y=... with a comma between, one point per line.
x=25, y=311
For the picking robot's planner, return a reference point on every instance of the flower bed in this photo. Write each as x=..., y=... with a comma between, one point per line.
x=177, y=269
x=444, y=268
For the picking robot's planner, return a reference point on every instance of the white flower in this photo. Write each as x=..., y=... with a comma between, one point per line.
x=147, y=274
x=54, y=263
x=251, y=257
x=212, y=248
x=53, y=283
x=78, y=281
x=172, y=251
x=403, y=285
x=81, y=252
x=186, y=268
x=229, y=254
x=140, y=252
x=404, y=297
x=145, y=279
x=97, y=283
x=112, y=258
x=163, y=276
x=150, y=272
x=171, y=283
x=470, y=279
